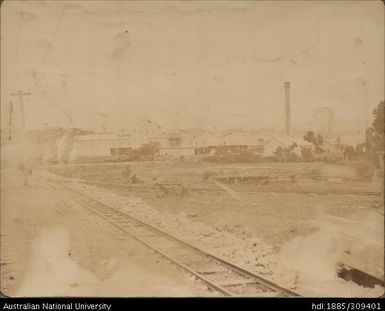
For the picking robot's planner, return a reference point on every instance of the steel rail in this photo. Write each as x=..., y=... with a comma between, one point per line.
x=258, y=280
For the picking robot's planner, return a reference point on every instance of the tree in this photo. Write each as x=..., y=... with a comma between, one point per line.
x=292, y=147
x=290, y=155
x=378, y=126
x=286, y=154
x=309, y=137
x=374, y=142
x=316, y=140
x=349, y=153
x=279, y=154
x=360, y=149
x=370, y=144
x=306, y=154
x=320, y=140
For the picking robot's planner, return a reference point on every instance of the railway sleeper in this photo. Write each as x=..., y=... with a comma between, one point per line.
x=252, y=290
x=226, y=274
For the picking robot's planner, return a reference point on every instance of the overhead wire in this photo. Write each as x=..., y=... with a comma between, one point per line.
x=44, y=59
x=55, y=31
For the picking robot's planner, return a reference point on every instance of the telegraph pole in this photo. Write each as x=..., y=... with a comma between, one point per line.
x=20, y=95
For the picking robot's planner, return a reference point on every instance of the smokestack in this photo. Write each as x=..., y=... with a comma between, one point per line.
x=287, y=108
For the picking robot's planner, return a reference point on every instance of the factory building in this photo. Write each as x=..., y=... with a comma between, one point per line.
x=98, y=146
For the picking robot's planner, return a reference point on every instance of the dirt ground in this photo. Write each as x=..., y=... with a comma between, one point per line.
x=52, y=247
x=275, y=216
x=274, y=233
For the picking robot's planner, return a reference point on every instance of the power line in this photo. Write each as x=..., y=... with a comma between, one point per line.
x=43, y=61
x=56, y=103
x=55, y=31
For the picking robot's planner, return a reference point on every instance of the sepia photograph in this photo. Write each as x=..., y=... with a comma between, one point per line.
x=192, y=149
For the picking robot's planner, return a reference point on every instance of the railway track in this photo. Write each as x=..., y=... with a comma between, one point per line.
x=217, y=273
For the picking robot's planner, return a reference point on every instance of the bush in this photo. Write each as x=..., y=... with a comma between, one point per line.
x=307, y=155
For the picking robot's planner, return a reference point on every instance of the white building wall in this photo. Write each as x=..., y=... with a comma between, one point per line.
x=205, y=140
x=145, y=132
x=95, y=147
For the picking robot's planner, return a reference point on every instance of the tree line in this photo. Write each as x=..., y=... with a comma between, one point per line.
x=372, y=149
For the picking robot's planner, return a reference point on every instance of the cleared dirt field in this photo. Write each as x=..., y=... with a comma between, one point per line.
x=294, y=233
x=274, y=212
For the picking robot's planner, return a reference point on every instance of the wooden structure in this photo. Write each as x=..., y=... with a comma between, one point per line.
x=167, y=187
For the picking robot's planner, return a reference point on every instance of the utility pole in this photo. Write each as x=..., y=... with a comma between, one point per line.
x=20, y=95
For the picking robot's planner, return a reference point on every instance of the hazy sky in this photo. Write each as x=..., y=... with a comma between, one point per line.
x=190, y=64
